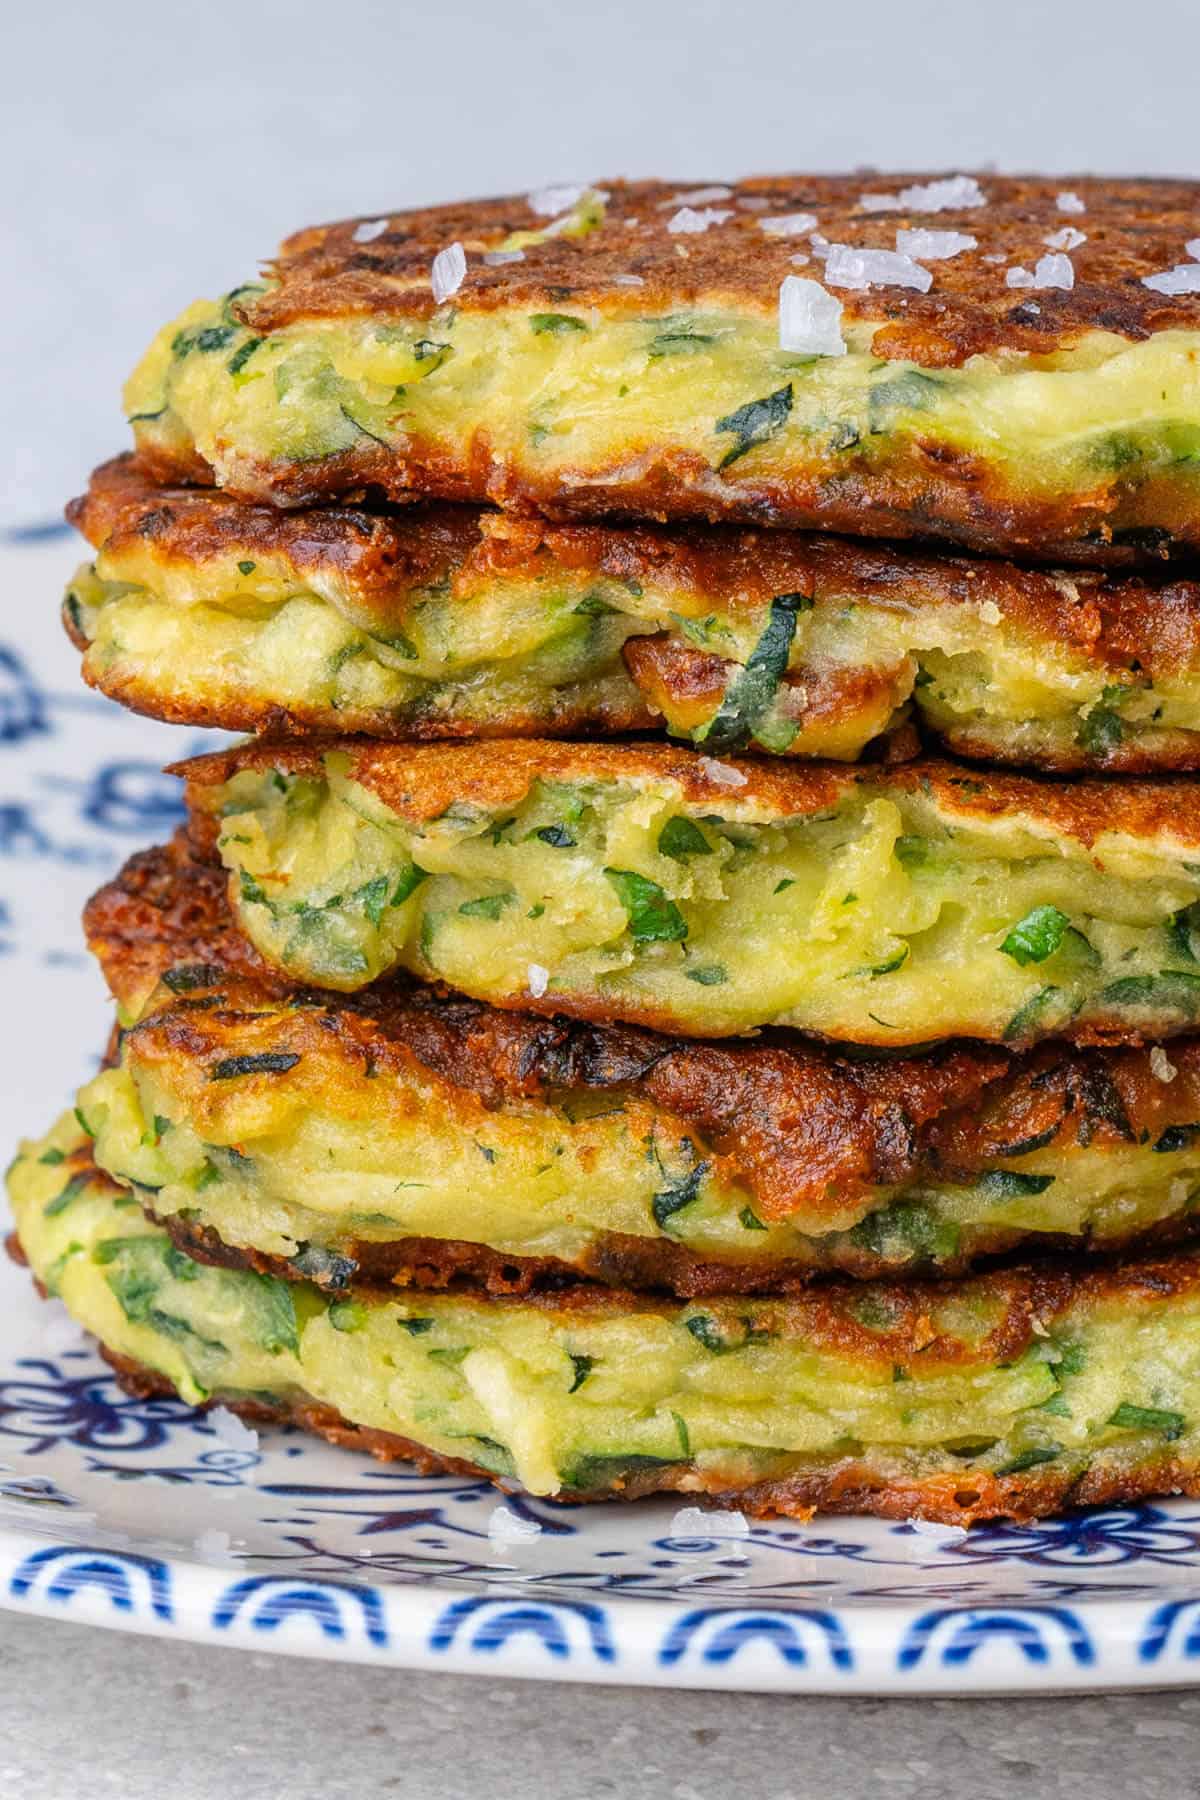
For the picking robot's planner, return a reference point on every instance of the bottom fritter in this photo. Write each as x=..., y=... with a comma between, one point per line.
x=1013, y=1394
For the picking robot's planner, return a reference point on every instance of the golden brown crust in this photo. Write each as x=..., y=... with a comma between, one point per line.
x=801, y=1127
x=1134, y=228
x=419, y=783
x=1144, y=627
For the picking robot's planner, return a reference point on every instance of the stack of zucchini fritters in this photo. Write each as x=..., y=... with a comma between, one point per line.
x=593, y=1033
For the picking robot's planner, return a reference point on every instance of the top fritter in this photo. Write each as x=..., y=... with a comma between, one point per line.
x=1007, y=363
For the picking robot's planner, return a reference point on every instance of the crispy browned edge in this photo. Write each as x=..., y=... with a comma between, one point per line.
x=801, y=1126
x=419, y=782
x=1134, y=227
x=1148, y=626
x=848, y=1486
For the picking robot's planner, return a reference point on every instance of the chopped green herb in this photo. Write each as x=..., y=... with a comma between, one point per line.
x=752, y=688
x=1172, y=990
x=681, y=837
x=1129, y=1417
x=1030, y=1459
x=247, y=568
x=236, y=364
x=265, y=1062
x=557, y=836
x=407, y=884
x=417, y=1327
x=708, y=975
x=1011, y=1184
x=488, y=906
x=373, y=897
x=910, y=391
x=582, y=1366
x=1027, y=1019
x=884, y=968
x=652, y=916
x=749, y=1220
x=541, y=323
x=754, y=423
x=53, y=1157
x=681, y=1193
x=485, y=1150
x=82, y=1123
x=1037, y=936
x=1184, y=932
x=186, y=976
x=65, y=1196
x=787, y=882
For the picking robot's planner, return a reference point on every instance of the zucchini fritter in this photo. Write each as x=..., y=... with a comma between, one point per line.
x=452, y=622
x=1012, y=1394
x=886, y=906
x=1009, y=375
x=403, y=1135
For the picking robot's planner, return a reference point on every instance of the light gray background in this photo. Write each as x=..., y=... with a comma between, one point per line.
x=154, y=152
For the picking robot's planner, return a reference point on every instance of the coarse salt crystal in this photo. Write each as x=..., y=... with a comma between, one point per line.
x=212, y=1544
x=989, y=612
x=231, y=1430
x=951, y=194
x=810, y=318
x=558, y=197
x=849, y=267
x=721, y=772
x=995, y=256
x=689, y=220
x=930, y=1528
x=508, y=1527
x=934, y=246
x=537, y=980
x=629, y=280
x=1183, y=279
x=701, y=196
x=1161, y=1066
x=448, y=272
x=788, y=224
x=1068, y=202
x=1069, y=238
x=1053, y=271
x=800, y=259
x=694, y=1522
x=494, y=258
x=369, y=230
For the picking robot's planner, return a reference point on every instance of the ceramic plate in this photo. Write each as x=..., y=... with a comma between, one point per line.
x=143, y=1515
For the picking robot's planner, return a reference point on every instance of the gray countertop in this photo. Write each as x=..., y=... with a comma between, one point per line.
x=88, y=1712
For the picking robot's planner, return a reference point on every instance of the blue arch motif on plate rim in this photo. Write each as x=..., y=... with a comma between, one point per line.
x=487, y=1623
x=62, y=1571
x=341, y=1610
x=715, y=1635
x=956, y=1633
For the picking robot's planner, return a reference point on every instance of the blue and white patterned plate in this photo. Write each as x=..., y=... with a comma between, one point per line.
x=143, y=1515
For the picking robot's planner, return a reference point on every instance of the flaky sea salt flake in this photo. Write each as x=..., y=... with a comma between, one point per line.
x=721, y=772
x=448, y=273
x=508, y=1527
x=934, y=246
x=1161, y=1066
x=848, y=266
x=694, y=1522
x=557, y=197
x=788, y=224
x=954, y=193
x=537, y=980
x=1052, y=271
x=810, y=318
x=1183, y=279
x=369, y=230
x=1068, y=202
x=702, y=196
x=687, y=219
x=232, y=1431
x=495, y=258
x=1066, y=239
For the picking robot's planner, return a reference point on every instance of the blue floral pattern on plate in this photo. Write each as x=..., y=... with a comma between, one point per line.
x=144, y=1515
